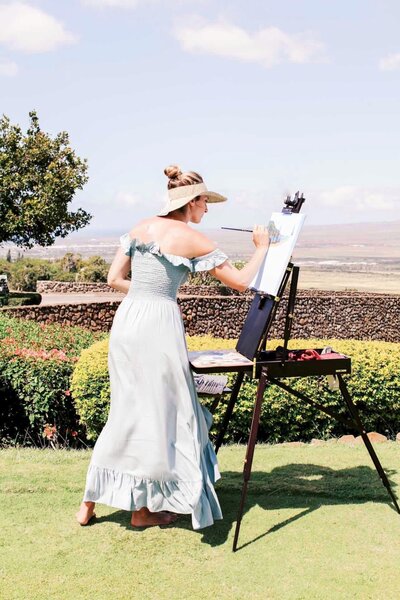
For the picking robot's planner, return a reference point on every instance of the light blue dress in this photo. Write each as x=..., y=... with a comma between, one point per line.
x=154, y=450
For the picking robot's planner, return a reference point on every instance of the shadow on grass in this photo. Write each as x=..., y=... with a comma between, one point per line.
x=301, y=487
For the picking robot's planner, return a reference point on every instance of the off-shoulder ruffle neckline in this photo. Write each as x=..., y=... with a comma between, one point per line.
x=154, y=248
x=193, y=264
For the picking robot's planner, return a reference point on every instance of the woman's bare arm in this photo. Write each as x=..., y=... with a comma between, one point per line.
x=117, y=275
x=240, y=279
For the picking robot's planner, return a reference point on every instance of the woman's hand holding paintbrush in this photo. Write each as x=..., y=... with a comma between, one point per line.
x=271, y=228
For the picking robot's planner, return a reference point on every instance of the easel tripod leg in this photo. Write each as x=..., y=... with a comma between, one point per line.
x=250, y=453
x=357, y=421
x=229, y=410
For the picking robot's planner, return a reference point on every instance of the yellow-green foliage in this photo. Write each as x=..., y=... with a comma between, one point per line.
x=374, y=386
x=207, y=342
x=90, y=388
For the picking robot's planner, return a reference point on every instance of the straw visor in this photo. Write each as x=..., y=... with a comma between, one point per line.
x=181, y=195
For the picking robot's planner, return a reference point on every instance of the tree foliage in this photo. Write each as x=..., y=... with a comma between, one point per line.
x=39, y=176
x=24, y=273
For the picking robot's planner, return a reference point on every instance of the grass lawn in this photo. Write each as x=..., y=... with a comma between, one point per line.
x=318, y=524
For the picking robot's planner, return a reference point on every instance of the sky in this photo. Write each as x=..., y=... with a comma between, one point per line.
x=262, y=98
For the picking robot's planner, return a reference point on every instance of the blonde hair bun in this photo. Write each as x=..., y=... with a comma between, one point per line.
x=173, y=172
x=176, y=178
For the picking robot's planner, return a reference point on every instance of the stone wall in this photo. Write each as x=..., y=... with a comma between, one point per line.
x=80, y=287
x=317, y=314
x=71, y=287
x=96, y=316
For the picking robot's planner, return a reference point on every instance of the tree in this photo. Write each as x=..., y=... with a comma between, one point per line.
x=94, y=269
x=70, y=262
x=38, y=178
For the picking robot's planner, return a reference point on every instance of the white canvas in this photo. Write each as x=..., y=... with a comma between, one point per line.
x=284, y=231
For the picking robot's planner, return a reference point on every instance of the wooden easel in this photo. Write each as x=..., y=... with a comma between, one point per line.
x=269, y=367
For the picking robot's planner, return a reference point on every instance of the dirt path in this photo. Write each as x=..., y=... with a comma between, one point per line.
x=79, y=298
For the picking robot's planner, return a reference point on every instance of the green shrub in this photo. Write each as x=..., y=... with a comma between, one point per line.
x=23, y=273
x=39, y=380
x=23, y=299
x=36, y=364
x=38, y=336
x=90, y=388
x=93, y=269
x=374, y=386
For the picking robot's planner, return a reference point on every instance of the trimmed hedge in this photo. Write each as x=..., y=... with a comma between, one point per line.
x=90, y=388
x=21, y=299
x=374, y=386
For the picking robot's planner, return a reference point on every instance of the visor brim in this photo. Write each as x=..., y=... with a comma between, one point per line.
x=213, y=197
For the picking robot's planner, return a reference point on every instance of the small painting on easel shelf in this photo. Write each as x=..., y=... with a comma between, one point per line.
x=218, y=358
x=284, y=229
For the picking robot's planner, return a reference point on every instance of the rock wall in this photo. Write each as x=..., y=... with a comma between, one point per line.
x=71, y=287
x=317, y=314
x=79, y=287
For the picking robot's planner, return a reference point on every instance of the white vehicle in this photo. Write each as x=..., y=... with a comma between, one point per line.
x=4, y=291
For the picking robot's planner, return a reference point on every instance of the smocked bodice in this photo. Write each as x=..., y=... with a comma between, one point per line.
x=158, y=275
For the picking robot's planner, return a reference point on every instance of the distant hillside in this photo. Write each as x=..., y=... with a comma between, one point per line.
x=321, y=241
x=315, y=242
x=361, y=256
x=369, y=234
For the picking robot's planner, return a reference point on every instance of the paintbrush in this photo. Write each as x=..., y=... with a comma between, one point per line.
x=273, y=231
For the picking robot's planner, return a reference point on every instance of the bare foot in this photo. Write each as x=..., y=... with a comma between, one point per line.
x=145, y=518
x=85, y=513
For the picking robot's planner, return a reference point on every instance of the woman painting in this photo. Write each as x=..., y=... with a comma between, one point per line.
x=153, y=456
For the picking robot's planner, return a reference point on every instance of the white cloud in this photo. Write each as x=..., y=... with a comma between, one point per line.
x=359, y=199
x=29, y=29
x=112, y=3
x=124, y=198
x=8, y=68
x=247, y=199
x=268, y=46
x=390, y=62
x=132, y=3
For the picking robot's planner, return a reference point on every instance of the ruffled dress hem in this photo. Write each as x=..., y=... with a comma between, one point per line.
x=129, y=492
